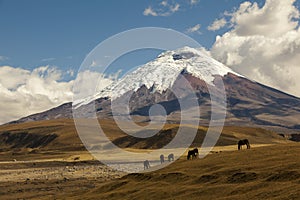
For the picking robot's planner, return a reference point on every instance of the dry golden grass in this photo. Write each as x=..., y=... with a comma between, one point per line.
x=271, y=172
x=263, y=172
x=67, y=142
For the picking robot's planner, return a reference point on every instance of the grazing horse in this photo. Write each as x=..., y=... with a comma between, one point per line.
x=171, y=157
x=162, y=158
x=192, y=153
x=243, y=142
x=146, y=164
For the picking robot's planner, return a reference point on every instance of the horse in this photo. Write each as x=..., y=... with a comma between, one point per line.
x=162, y=158
x=146, y=164
x=192, y=154
x=171, y=157
x=243, y=142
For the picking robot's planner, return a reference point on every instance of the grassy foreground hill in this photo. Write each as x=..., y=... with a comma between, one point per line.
x=271, y=172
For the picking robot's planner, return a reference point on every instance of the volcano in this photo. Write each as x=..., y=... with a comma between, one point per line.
x=248, y=103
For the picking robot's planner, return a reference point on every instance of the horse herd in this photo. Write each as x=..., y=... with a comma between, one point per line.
x=162, y=160
x=192, y=154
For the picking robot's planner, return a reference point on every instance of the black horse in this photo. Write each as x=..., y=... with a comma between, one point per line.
x=192, y=154
x=162, y=158
x=146, y=164
x=243, y=142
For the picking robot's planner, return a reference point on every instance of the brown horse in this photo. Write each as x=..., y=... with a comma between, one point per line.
x=243, y=142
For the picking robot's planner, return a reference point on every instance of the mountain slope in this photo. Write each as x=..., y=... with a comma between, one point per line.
x=248, y=103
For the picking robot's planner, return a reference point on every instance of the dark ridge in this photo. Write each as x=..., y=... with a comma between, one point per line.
x=25, y=139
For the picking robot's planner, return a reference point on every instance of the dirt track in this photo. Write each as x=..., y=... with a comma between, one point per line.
x=45, y=178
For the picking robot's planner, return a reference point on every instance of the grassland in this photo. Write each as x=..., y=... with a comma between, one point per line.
x=61, y=168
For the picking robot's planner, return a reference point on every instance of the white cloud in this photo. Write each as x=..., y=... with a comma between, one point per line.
x=19, y=77
x=149, y=11
x=205, y=51
x=194, y=2
x=164, y=9
x=174, y=8
x=217, y=24
x=25, y=92
x=263, y=44
x=194, y=29
x=87, y=81
x=275, y=18
x=164, y=3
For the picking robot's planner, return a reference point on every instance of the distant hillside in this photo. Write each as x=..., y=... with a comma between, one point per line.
x=60, y=135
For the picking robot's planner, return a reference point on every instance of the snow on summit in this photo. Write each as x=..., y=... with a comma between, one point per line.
x=164, y=70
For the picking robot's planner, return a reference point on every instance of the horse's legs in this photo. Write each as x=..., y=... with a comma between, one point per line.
x=248, y=146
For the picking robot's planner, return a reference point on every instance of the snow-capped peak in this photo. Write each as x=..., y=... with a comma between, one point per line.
x=164, y=70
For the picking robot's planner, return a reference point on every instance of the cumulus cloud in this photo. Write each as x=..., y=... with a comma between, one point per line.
x=217, y=24
x=163, y=9
x=263, y=44
x=273, y=19
x=25, y=92
x=194, y=29
x=90, y=82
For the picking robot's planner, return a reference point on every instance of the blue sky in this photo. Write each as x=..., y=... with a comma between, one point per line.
x=62, y=32
x=44, y=42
